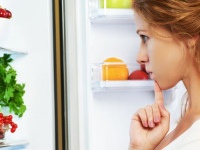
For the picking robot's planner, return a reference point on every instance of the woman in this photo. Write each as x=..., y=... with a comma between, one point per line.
x=170, y=51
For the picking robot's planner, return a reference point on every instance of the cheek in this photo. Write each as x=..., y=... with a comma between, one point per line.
x=166, y=62
x=168, y=71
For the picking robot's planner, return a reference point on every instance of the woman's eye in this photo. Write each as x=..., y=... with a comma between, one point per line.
x=144, y=38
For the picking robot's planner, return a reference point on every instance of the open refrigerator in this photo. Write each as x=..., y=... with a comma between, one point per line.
x=98, y=112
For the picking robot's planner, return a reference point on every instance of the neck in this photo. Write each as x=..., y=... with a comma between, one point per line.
x=192, y=84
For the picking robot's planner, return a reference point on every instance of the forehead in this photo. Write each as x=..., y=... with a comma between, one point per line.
x=140, y=23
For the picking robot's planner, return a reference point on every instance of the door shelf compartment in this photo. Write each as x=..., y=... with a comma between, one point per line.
x=98, y=84
x=129, y=85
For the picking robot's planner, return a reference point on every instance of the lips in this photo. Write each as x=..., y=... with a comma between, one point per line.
x=150, y=73
x=145, y=68
x=151, y=76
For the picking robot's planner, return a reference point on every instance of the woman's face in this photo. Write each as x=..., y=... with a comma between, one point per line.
x=165, y=59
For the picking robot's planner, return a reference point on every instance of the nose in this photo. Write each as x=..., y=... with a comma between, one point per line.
x=142, y=56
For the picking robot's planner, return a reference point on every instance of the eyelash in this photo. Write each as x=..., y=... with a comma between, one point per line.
x=144, y=38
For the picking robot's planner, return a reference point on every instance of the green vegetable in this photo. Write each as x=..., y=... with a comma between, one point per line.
x=11, y=92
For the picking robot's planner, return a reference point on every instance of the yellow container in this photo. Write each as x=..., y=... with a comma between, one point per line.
x=125, y=4
x=114, y=71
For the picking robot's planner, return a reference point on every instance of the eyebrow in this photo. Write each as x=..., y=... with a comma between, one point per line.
x=140, y=31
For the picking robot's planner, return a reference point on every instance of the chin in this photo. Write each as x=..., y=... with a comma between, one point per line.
x=165, y=85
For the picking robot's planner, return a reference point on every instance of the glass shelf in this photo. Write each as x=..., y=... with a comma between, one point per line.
x=13, y=145
x=4, y=50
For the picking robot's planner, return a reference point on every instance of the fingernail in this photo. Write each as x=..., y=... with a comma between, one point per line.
x=157, y=119
x=151, y=124
x=145, y=124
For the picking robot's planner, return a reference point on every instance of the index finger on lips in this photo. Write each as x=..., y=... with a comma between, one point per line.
x=158, y=94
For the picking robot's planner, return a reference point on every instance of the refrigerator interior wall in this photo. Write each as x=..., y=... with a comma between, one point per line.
x=111, y=117
x=113, y=40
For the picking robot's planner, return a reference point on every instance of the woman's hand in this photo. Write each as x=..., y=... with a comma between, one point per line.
x=150, y=124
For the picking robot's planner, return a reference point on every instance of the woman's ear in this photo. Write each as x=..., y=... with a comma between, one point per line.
x=193, y=41
x=191, y=44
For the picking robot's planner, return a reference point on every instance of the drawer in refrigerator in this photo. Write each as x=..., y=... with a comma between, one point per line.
x=119, y=77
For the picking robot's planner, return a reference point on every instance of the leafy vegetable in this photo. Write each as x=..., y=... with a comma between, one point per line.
x=11, y=92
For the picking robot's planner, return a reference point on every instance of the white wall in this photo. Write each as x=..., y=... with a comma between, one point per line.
x=31, y=27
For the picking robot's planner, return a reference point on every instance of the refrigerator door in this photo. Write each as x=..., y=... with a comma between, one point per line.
x=71, y=72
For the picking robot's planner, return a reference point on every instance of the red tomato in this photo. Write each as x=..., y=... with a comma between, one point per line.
x=9, y=14
x=138, y=75
x=3, y=13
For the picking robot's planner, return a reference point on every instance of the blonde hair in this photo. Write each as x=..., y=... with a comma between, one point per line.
x=179, y=17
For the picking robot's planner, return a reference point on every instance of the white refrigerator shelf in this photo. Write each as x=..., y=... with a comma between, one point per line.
x=127, y=85
x=11, y=51
x=9, y=145
x=112, y=16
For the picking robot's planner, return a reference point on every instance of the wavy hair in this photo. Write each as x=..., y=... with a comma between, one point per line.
x=179, y=17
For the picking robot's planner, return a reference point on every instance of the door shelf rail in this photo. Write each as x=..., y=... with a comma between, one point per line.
x=127, y=85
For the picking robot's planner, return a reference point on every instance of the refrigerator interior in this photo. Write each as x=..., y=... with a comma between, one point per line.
x=28, y=36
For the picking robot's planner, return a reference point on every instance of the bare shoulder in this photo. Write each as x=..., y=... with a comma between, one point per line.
x=186, y=131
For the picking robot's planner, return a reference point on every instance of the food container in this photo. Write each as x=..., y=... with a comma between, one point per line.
x=125, y=4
